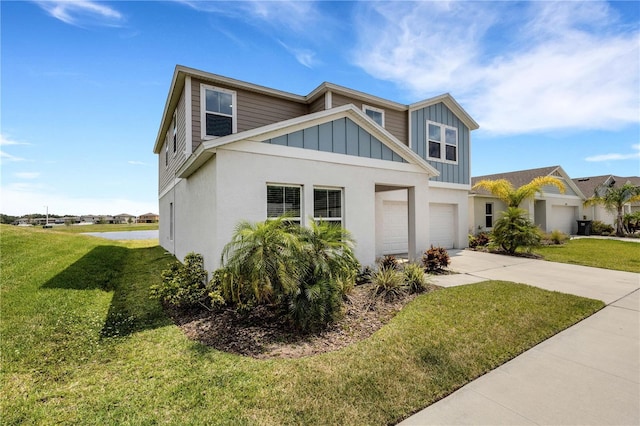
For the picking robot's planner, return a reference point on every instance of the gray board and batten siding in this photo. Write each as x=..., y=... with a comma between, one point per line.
x=341, y=136
x=439, y=113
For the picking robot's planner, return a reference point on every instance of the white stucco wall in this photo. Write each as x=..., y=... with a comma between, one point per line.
x=232, y=187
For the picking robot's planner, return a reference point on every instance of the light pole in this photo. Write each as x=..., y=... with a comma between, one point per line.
x=47, y=207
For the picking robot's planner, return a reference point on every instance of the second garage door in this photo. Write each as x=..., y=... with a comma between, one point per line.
x=562, y=218
x=442, y=229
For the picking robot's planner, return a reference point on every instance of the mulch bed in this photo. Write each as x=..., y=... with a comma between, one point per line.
x=263, y=333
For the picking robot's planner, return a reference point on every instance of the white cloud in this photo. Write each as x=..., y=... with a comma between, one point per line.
x=27, y=175
x=137, y=163
x=6, y=157
x=7, y=140
x=305, y=57
x=616, y=156
x=82, y=12
x=563, y=67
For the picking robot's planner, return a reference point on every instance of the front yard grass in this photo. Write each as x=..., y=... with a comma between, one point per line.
x=82, y=343
x=599, y=253
x=105, y=227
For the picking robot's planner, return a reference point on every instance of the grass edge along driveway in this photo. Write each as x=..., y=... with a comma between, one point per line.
x=89, y=347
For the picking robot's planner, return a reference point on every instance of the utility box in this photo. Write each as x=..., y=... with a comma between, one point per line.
x=584, y=227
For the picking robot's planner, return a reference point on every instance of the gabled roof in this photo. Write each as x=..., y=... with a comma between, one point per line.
x=180, y=72
x=208, y=148
x=523, y=177
x=589, y=184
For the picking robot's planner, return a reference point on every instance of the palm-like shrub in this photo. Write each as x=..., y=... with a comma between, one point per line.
x=263, y=262
x=306, y=271
x=513, y=197
x=388, y=283
x=514, y=229
x=414, y=278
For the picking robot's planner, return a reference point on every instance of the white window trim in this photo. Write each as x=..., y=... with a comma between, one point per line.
x=443, y=144
x=166, y=153
x=288, y=185
x=203, y=110
x=368, y=107
x=331, y=219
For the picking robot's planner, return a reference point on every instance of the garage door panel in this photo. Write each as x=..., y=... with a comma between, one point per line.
x=442, y=225
x=562, y=218
x=395, y=227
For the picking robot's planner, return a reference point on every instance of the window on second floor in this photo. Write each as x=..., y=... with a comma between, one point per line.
x=218, y=112
x=442, y=142
x=375, y=114
x=175, y=132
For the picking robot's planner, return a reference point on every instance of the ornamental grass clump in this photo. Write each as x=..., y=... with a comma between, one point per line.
x=388, y=283
x=415, y=278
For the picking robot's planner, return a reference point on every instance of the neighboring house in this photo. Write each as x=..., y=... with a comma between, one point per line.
x=124, y=218
x=148, y=218
x=550, y=210
x=589, y=185
x=396, y=176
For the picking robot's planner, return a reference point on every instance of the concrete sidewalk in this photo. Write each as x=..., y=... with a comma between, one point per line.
x=588, y=374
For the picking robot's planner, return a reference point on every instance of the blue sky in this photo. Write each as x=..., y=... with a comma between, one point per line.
x=83, y=83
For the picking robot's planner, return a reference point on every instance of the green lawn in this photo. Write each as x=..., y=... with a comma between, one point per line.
x=599, y=253
x=82, y=344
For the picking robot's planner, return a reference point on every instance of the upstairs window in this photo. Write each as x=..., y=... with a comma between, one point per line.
x=284, y=200
x=327, y=205
x=375, y=114
x=442, y=142
x=218, y=116
x=175, y=132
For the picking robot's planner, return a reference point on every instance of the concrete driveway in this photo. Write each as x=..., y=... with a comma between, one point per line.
x=588, y=374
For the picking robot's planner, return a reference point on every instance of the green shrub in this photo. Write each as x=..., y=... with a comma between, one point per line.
x=183, y=284
x=389, y=261
x=514, y=229
x=388, y=283
x=305, y=271
x=414, y=278
x=364, y=275
x=600, y=228
x=479, y=240
x=557, y=237
x=435, y=259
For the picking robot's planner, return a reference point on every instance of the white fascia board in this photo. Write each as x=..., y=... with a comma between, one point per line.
x=355, y=94
x=177, y=82
x=447, y=185
x=452, y=104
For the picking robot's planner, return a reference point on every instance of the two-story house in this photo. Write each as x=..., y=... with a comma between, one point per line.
x=396, y=176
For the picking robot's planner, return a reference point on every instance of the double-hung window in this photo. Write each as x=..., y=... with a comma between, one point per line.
x=218, y=111
x=442, y=142
x=376, y=114
x=488, y=215
x=284, y=200
x=327, y=205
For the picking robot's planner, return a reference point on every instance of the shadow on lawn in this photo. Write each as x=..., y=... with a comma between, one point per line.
x=128, y=273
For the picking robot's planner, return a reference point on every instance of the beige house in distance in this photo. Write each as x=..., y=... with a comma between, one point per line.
x=550, y=210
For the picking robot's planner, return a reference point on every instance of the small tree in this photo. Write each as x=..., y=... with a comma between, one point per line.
x=513, y=197
x=613, y=199
x=514, y=229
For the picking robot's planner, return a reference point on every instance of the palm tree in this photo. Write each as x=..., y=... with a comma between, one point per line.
x=262, y=259
x=504, y=190
x=613, y=199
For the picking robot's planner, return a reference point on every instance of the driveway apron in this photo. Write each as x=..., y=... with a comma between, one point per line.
x=589, y=374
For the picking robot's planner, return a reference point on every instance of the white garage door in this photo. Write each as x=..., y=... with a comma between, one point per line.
x=395, y=227
x=563, y=218
x=442, y=229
